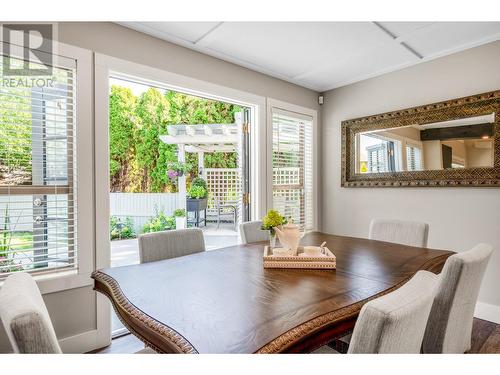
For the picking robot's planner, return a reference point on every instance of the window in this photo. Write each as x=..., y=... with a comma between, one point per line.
x=293, y=166
x=37, y=174
x=413, y=158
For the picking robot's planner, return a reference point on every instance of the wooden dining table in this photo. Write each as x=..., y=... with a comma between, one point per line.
x=224, y=301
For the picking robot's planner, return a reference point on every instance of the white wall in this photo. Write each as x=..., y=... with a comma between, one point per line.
x=458, y=217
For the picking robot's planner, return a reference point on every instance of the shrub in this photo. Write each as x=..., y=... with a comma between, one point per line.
x=180, y=212
x=121, y=229
x=158, y=223
x=198, y=181
x=197, y=192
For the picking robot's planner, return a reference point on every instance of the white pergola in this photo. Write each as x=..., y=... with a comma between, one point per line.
x=201, y=138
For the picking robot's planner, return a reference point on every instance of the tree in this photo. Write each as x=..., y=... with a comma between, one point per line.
x=15, y=136
x=138, y=158
x=152, y=154
x=122, y=125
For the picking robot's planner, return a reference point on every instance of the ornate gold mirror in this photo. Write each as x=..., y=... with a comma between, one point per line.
x=451, y=143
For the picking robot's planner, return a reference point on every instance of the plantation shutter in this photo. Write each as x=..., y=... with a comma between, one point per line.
x=293, y=166
x=377, y=158
x=413, y=158
x=37, y=173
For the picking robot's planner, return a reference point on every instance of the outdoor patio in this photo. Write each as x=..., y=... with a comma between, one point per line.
x=126, y=252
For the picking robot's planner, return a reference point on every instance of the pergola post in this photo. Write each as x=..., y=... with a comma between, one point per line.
x=181, y=182
x=201, y=162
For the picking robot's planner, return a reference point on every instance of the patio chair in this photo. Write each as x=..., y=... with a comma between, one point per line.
x=229, y=208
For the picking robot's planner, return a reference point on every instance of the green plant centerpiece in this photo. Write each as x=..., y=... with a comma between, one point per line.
x=272, y=219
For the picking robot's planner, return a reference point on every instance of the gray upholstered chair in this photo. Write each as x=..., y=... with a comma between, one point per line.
x=250, y=232
x=25, y=316
x=450, y=322
x=170, y=244
x=26, y=319
x=395, y=323
x=397, y=231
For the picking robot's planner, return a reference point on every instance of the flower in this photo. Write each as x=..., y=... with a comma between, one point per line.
x=172, y=174
x=271, y=220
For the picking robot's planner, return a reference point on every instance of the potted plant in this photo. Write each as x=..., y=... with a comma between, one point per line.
x=197, y=198
x=272, y=219
x=180, y=218
x=177, y=169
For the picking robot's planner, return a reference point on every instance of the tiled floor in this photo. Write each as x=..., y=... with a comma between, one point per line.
x=485, y=340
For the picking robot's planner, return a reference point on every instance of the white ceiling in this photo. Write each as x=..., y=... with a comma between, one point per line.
x=324, y=55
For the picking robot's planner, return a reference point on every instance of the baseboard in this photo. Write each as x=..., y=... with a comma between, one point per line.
x=82, y=343
x=488, y=312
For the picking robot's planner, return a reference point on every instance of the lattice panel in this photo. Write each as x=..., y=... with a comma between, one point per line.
x=288, y=203
x=223, y=184
x=286, y=176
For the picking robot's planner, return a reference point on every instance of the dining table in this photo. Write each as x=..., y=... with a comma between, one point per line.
x=225, y=301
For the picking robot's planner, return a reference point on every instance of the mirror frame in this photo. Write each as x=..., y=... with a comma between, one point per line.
x=470, y=106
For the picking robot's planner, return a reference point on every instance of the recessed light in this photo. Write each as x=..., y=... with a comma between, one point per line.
x=485, y=137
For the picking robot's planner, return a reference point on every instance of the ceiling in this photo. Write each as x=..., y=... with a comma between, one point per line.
x=324, y=55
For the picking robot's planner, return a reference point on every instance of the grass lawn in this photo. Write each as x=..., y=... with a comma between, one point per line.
x=16, y=241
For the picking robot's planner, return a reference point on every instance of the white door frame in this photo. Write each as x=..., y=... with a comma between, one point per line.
x=274, y=103
x=106, y=66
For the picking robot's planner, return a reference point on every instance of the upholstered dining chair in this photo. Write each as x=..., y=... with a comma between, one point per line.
x=250, y=232
x=26, y=319
x=394, y=323
x=402, y=232
x=449, y=327
x=25, y=316
x=170, y=244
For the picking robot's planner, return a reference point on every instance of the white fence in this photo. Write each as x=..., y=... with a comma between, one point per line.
x=141, y=206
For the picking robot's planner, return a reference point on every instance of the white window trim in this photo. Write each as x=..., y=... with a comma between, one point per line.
x=278, y=104
x=58, y=281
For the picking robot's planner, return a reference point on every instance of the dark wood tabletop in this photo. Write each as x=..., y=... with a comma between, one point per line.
x=224, y=301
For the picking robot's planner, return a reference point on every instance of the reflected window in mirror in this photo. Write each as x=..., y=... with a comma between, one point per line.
x=454, y=144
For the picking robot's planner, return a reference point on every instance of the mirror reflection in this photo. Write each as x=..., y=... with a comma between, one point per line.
x=461, y=143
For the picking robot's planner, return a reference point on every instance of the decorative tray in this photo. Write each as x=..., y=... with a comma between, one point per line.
x=325, y=260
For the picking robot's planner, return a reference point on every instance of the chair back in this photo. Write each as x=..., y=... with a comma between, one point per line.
x=450, y=322
x=25, y=316
x=170, y=244
x=402, y=232
x=395, y=323
x=250, y=232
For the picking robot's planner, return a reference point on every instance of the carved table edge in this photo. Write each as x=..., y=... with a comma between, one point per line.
x=301, y=331
x=277, y=345
x=117, y=297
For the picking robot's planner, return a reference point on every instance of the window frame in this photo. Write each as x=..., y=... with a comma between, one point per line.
x=304, y=111
x=54, y=281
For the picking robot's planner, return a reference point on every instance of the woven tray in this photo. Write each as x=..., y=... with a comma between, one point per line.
x=273, y=261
